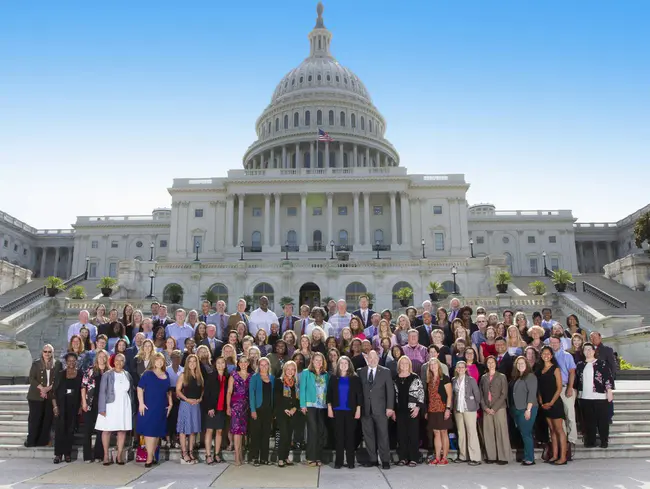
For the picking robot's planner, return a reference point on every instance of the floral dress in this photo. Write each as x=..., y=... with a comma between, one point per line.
x=239, y=408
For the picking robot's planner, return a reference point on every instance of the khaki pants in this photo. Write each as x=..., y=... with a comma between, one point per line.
x=467, y=436
x=496, y=435
x=570, y=415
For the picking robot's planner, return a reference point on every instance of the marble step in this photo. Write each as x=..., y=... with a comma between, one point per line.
x=13, y=437
x=631, y=414
x=13, y=395
x=630, y=438
x=13, y=426
x=619, y=426
x=629, y=395
x=14, y=405
x=630, y=404
x=17, y=415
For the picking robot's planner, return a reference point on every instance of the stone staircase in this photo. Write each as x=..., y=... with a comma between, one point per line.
x=36, y=284
x=629, y=435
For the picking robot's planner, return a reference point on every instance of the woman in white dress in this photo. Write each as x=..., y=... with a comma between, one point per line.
x=115, y=407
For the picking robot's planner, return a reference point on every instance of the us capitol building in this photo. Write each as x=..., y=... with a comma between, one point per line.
x=309, y=219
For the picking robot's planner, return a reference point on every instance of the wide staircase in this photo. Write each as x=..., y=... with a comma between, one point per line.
x=629, y=433
x=10, y=296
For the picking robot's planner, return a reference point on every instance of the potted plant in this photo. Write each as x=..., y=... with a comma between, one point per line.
x=107, y=285
x=371, y=299
x=502, y=279
x=642, y=231
x=54, y=285
x=435, y=290
x=286, y=300
x=537, y=287
x=77, y=292
x=249, y=301
x=405, y=294
x=175, y=293
x=209, y=295
x=561, y=278
x=325, y=300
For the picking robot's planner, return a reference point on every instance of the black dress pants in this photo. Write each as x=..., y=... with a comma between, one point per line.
x=90, y=452
x=288, y=427
x=595, y=415
x=260, y=430
x=39, y=423
x=299, y=421
x=345, y=427
x=408, y=437
x=316, y=433
x=64, y=431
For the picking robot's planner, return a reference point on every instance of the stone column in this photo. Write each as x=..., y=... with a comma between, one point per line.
x=284, y=157
x=377, y=156
x=393, y=221
x=356, y=155
x=594, y=246
x=298, y=162
x=327, y=154
x=581, y=250
x=303, y=221
x=272, y=159
x=340, y=165
x=70, y=257
x=610, y=252
x=276, y=239
x=357, y=240
x=330, y=235
x=230, y=219
x=406, y=220
x=367, y=156
x=43, y=257
x=366, y=219
x=57, y=252
x=267, y=219
x=312, y=161
x=240, y=219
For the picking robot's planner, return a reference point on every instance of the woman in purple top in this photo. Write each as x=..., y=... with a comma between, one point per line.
x=238, y=406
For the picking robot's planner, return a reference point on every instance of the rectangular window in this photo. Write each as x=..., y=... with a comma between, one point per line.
x=257, y=212
x=112, y=269
x=94, y=245
x=114, y=244
x=318, y=211
x=480, y=240
x=163, y=243
x=437, y=209
x=6, y=243
x=531, y=239
x=378, y=210
x=24, y=251
x=555, y=264
x=292, y=211
x=343, y=210
x=552, y=239
x=15, y=248
x=439, y=241
x=92, y=270
x=198, y=243
x=198, y=212
x=533, y=265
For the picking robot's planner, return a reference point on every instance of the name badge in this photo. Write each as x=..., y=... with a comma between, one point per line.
x=68, y=391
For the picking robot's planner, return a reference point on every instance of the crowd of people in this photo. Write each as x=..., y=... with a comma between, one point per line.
x=482, y=383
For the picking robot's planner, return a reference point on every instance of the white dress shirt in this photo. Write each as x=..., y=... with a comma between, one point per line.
x=261, y=320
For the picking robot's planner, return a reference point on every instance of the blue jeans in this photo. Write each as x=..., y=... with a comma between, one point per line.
x=525, y=427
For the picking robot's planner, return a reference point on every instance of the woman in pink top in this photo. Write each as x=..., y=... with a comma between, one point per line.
x=356, y=326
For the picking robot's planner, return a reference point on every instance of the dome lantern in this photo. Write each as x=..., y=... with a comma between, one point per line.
x=320, y=37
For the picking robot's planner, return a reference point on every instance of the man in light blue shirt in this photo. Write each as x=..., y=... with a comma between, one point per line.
x=179, y=330
x=567, y=368
x=547, y=319
x=371, y=331
x=220, y=320
x=83, y=323
x=341, y=319
x=478, y=337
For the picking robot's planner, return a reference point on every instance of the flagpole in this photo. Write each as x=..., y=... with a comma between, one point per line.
x=317, y=138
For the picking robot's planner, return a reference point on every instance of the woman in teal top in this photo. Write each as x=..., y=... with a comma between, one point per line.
x=261, y=402
x=313, y=403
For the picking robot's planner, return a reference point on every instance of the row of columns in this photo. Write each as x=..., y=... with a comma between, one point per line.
x=581, y=245
x=57, y=257
x=405, y=214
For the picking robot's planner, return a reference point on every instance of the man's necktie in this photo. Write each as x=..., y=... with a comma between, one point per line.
x=304, y=325
x=286, y=324
x=371, y=377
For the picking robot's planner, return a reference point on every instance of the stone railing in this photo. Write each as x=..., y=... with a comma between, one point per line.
x=504, y=301
x=72, y=305
x=17, y=319
x=12, y=276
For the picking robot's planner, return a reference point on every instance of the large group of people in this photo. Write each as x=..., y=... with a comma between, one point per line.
x=435, y=379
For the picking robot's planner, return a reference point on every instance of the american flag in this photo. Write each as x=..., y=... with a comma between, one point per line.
x=323, y=136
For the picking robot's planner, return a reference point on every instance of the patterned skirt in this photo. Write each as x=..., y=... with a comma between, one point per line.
x=189, y=418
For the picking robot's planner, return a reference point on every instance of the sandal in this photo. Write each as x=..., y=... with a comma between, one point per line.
x=401, y=463
x=209, y=460
x=312, y=464
x=57, y=460
x=281, y=464
x=217, y=458
x=289, y=463
x=68, y=459
x=185, y=459
x=412, y=464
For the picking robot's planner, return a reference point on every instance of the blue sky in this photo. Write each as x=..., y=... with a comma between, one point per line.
x=542, y=104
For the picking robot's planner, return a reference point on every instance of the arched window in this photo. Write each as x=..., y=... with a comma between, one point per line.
x=319, y=117
x=343, y=237
x=256, y=240
x=370, y=125
x=353, y=121
x=396, y=287
x=292, y=238
x=509, y=261
x=363, y=124
x=296, y=120
x=317, y=238
x=331, y=118
x=173, y=294
x=286, y=121
x=261, y=290
x=379, y=237
x=342, y=119
x=307, y=118
x=353, y=291
x=220, y=292
x=277, y=124
x=448, y=285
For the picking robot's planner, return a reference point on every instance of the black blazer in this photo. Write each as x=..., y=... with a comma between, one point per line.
x=357, y=313
x=506, y=365
x=355, y=394
x=292, y=321
x=606, y=354
x=423, y=337
x=60, y=392
x=218, y=346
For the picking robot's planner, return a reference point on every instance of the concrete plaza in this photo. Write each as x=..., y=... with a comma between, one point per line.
x=582, y=474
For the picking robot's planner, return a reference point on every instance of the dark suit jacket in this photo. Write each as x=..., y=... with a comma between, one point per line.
x=164, y=322
x=218, y=346
x=355, y=394
x=234, y=319
x=297, y=327
x=380, y=395
x=129, y=355
x=292, y=321
x=424, y=338
x=506, y=365
x=357, y=313
x=606, y=354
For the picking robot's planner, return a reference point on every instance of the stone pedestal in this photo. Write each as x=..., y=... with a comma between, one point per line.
x=15, y=359
x=632, y=271
x=12, y=276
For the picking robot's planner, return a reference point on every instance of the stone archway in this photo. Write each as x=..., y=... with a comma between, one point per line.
x=309, y=294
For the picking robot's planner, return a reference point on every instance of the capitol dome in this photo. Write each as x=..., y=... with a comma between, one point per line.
x=320, y=94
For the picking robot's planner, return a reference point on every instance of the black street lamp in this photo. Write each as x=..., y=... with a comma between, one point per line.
x=241, y=247
x=332, y=247
x=196, y=248
x=86, y=271
x=377, y=248
x=151, y=247
x=471, y=248
x=423, y=245
x=544, y=256
x=454, y=271
x=152, y=275
x=286, y=250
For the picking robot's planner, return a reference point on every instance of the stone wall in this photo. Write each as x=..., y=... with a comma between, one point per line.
x=12, y=276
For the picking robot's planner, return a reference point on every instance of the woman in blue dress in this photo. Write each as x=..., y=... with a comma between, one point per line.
x=155, y=403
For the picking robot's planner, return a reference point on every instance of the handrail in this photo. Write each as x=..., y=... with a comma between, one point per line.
x=569, y=285
x=602, y=295
x=32, y=296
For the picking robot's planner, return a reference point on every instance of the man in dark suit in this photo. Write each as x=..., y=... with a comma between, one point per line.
x=606, y=354
x=504, y=359
x=378, y=404
x=162, y=319
x=213, y=343
x=240, y=315
x=288, y=320
x=426, y=306
x=363, y=312
x=132, y=351
x=424, y=331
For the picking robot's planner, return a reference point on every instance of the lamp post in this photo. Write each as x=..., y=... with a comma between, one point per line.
x=196, y=248
x=152, y=275
x=423, y=245
x=86, y=271
x=377, y=248
x=454, y=271
x=544, y=256
x=241, y=247
x=151, y=247
x=332, y=247
x=471, y=248
x=286, y=250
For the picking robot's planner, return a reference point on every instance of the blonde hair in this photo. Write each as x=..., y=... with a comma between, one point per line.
x=404, y=358
x=96, y=363
x=140, y=355
x=408, y=322
x=152, y=361
x=206, y=349
x=284, y=369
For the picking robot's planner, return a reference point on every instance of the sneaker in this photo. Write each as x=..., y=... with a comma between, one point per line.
x=443, y=461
